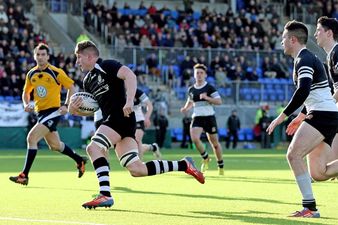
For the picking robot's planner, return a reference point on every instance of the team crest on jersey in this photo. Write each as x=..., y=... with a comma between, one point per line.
x=41, y=91
x=50, y=123
x=213, y=129
x=100, y=80
x=335, y=68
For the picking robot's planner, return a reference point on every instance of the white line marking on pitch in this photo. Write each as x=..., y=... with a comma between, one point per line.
x=48, y=221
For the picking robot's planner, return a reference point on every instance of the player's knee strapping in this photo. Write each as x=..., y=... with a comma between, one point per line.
x=101, y=140
x=129, y=157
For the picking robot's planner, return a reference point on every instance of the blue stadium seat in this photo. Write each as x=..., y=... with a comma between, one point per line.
x=176, y=69
x=249, y=135
x=259, y=72
x=180, y=92
x=145, y=89
x=9, y=99
x=196, y=15
x=132, y=66
x=222, y=132
x=225, y=92
x=2, y=98
x=211, y=80
x=167, y=13
x=174, y=14
x=178, y=134
x=241, y=135
x=164, y=69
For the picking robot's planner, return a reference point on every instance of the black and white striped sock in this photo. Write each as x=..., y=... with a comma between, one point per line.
x=205, y=155
x=163, y=166
x=220, y=163
x=101, y=167
x=310, y=204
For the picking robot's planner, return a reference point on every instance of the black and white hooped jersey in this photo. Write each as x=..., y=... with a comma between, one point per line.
x=201, y=106
x=308, y=65
x=332, y=62
x=140, y=99
x=108, y=89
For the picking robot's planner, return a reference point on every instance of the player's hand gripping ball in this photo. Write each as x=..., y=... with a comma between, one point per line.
x=89, y=104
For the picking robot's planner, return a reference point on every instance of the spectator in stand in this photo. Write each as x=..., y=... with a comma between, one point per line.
x=89, y=19
x=186, y=122
x=264, y=123
x=5, y=84
x=221, y=77
x=152, y=63
x=278, y=69
x=161, y=124
x=233, y=126
x=267, y=68
x=186, y=69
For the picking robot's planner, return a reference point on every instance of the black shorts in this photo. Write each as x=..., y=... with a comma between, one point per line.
x=124, y=126
x=325, y=122
x=49, y=117
x=140, y=125
x=208, y=123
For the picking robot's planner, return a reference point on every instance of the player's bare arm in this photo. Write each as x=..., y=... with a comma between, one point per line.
x=275, y=123
x=188, y=105
x=130, y=84
x=26, y=102
x=64, y=108
x=147, y=115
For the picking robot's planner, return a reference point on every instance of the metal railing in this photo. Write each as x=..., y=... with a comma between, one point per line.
x=175, y=55
x=73, y=7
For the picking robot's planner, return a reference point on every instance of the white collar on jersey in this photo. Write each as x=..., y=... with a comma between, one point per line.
x=97, y=66
x=329, y=53
x=299, y=52
x=199, y=87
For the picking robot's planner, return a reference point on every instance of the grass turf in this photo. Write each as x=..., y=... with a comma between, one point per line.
x=257, y=188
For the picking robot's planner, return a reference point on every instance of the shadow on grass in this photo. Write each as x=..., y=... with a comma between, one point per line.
x=273, y=180
x=225, y=198
x=252, y=218
x=132, y=191
x=249, y=217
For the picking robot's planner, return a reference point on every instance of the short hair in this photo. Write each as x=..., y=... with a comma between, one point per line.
x=200, y=66
x=86, y=45
x=297, y=29
x=41, y=46
x=329, y=24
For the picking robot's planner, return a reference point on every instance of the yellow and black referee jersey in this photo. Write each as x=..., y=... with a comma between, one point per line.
x=47, y=84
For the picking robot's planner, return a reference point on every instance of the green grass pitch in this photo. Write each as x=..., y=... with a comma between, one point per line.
x=257, y=188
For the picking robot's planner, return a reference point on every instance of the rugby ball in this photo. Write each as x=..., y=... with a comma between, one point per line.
x=89, y=103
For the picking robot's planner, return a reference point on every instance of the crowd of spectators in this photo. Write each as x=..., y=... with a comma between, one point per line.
x=255, y=27
x=304, y=8
x=17, y=41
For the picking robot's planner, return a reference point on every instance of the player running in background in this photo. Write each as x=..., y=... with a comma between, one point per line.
x=114, y=87
x=202, y=97
x=142, y=122
x=320, y=124
x=46, y=80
